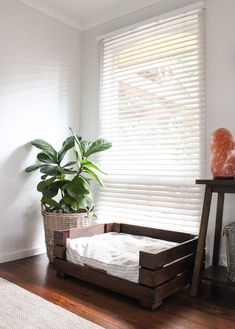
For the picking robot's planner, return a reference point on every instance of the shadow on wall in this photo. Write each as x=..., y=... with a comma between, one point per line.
x=19, y=203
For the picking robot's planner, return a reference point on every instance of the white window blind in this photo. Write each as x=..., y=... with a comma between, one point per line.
x=152, y=110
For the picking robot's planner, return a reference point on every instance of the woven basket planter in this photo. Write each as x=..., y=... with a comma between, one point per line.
x=61, y=221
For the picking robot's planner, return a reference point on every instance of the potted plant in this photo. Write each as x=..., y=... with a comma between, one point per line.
x=65, y=185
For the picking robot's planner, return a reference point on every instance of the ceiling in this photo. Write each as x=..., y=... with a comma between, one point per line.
x=85, y=14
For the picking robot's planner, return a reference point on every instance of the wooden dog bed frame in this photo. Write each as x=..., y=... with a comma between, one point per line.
x=160, y=274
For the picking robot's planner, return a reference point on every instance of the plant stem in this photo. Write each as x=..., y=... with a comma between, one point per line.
x=79, y=170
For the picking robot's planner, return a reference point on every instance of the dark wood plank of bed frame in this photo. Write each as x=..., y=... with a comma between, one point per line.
x=165, y=290
x=156, y=233
x=122, y=228
x=153, y=261
x=103, y=280
x=61, y=236
x=148, y=297
x=171, y=286
x=155, y=278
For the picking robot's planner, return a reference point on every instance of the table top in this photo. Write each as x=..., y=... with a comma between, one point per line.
x=217, y=181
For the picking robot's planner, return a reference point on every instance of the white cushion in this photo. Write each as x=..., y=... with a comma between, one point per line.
x=115, y=253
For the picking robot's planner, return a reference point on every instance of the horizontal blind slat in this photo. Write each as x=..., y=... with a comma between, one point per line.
x=191, y=18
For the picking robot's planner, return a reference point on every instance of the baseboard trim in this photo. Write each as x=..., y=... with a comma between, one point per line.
x=21, y=254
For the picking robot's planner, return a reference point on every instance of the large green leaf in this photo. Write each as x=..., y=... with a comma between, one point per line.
x=75, y=204
x=67, y=145
x=87, y=202
x=71, y=163
x=98, y=146
x=76, y=188
x=32, y=168
x=69, y=200
x=78, y=153
x=43, y=157
x=43, y=184
x=78, y=148
x=87, y=180
x=92, y=173
x=84, y=202
x=50, y=170
x=50, y=202
x=68, y=171
x=85, y=145
x=50, y=191
x=46, y=147
x=93, y=165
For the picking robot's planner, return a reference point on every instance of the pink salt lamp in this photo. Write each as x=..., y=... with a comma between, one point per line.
x=222, y=154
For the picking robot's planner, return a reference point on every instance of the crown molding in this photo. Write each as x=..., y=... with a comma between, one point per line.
x=108, y=16
x=85, y=25
x=48, y=10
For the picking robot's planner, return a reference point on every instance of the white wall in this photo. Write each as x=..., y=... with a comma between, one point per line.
x=39, y=98
x=220, y=44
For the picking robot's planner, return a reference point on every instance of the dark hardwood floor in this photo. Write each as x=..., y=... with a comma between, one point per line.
x=214, y=307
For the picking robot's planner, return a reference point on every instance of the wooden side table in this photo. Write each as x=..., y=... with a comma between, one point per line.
x=215, y=272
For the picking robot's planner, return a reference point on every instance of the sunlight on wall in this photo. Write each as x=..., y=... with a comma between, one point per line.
x=39, y=98
x=36, y=94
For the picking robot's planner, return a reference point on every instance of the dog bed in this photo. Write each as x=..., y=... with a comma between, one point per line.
x=161, y=261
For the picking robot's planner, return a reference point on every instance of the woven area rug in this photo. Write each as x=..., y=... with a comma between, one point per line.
x=20, y=309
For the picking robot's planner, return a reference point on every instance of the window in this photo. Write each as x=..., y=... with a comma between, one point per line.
x=152, y=110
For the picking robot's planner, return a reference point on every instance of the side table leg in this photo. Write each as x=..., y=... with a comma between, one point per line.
x=201, y=241
x=218, y=226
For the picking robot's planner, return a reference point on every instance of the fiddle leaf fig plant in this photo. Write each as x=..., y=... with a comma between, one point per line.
x=66, y=186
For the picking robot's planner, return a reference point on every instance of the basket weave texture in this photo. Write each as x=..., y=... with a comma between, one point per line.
x=61, y=221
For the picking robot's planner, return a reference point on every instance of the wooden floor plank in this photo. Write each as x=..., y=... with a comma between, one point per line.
x=214, y=308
